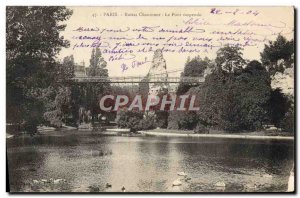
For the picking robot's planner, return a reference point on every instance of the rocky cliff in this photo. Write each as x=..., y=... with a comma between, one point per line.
x=284, y=81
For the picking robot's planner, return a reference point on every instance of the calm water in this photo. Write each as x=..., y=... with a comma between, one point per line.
x=88, y=161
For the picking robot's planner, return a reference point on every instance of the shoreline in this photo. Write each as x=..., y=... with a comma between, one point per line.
x=166, y=133
x=230, y=136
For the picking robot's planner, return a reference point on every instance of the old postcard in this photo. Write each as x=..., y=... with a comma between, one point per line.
x=150, y=99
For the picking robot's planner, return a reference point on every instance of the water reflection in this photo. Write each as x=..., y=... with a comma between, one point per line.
x=88, y=162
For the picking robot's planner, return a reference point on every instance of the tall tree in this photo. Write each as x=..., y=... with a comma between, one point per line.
x=97, y=64
x=32, y=42
x=193, y=68
x=66, y=70
x=230, y=59
x=252, y=91
x=59, y=103
x=276, y=50
x=235, y=101
x=213, y=95
x=93, y=92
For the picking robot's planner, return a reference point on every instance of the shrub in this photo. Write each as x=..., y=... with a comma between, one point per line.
x=129, y=119
x=162, y=119
x=288, y=122
x=135, y=120
x=148, y=122
x=182, y=120
x=200, y=128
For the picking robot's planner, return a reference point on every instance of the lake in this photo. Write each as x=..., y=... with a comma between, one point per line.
x=88, y=161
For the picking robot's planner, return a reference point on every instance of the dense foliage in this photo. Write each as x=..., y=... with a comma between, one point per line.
x=193, y=68
x=31, y=47
x=230, y=59
x=276, y=50
x=135, y=120
x=235, y=96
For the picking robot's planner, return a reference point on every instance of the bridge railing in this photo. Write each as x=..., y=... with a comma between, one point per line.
x=138, y=79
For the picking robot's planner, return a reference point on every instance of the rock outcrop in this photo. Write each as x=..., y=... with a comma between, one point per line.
x=284, y=81
x=158, y=73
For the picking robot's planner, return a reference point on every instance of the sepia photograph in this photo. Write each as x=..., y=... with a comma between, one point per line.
x=150, y=99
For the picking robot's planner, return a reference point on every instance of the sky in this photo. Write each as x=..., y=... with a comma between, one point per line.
x=125, y=32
